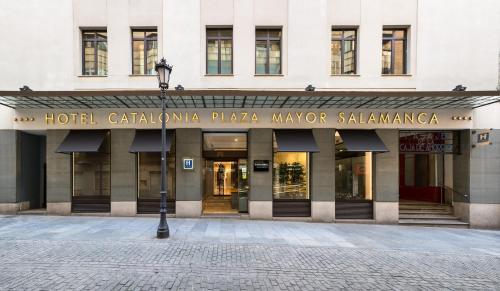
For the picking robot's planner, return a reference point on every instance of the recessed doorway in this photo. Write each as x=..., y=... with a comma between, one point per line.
x=225, y=186
x=225, y=173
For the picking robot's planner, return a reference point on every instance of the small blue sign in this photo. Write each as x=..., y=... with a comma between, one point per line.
x=188, y=164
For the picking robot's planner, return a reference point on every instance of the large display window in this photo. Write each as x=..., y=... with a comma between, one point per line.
x=149, y=182
x=353, y=177
x=353, y=180
x=291, y=175
x=92, y=179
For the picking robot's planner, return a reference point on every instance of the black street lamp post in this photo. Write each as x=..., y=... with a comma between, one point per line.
x=163, y=71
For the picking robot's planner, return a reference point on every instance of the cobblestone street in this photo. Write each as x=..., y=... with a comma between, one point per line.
x=109, y=253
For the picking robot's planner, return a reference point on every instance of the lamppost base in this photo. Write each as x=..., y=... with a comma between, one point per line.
x=162, y=233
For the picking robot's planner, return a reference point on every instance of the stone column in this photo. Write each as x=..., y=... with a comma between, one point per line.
x=123, y=173
x=386, y=178
x=9, y=178
x=188, y=144
x=58, y=175
x=260, y=147
x=461, y=176
x=323, y=176
x=483, y=180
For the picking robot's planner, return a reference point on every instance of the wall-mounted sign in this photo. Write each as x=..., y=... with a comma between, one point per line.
x=427, y=142
x=241, y=118
x=261, y=165
x=483, y=137
x=188, y=164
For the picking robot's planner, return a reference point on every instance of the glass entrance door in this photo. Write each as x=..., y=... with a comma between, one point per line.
x=225, y=186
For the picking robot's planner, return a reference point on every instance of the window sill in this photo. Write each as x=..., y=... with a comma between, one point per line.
x=345, y=75
x=396, y=75
x=139, y=75
x=269, y=75
x=219, y=75
x=92, y=76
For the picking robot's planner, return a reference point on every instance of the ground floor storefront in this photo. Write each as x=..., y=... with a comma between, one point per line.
x=319, y=174
x=376, y=157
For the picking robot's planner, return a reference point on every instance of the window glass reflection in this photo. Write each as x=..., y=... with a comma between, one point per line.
x=394, y=45
x=91, y=173
x=353, y=173
x=291, y=175
x=150, y=176
x=268, y=51
x=94, y=53
x=343, y=50
x=353, y=179
x=219, y=51
x=144, y=51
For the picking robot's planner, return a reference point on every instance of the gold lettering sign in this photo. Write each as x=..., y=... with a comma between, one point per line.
x=387, y=118
x=295, y=118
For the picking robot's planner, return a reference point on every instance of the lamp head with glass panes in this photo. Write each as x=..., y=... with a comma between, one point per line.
x=163, y=71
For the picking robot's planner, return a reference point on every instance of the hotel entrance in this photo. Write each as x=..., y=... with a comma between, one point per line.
x=225, y=173
x=226, y=186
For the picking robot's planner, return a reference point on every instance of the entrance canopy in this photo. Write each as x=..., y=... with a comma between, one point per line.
x=83, y=141
x=362, y=141
x=211, y=98
x=149, y=141
x=295, y=140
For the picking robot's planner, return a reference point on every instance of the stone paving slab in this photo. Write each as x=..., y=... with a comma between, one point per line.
x=96, y=253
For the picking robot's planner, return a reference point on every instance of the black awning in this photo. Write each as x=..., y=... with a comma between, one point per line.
x=149, y=141
x=362, y=141
x=295, y=140
x=83, y=141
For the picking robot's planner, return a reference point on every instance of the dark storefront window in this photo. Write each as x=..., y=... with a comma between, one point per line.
x=268, y=51
x=92, y=179
x=353, y=182
x=394, y=50
x=353, y=177
x=219, y=51
x=94, y=53
x=150, y=177
x=149, y=182
x=144, y=51
x=343, y=51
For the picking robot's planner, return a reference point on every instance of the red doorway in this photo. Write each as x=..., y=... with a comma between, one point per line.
x=420, y=177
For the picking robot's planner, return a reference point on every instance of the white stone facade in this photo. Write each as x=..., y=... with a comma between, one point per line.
x=451, y=42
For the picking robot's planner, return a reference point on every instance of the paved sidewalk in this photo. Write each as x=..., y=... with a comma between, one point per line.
x=110, y=253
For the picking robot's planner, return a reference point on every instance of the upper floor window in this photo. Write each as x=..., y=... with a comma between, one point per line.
x=268, y=51
x=394, y=46
x=144, y=51
x=219, y=51
x=344, y=51
x=94, y=53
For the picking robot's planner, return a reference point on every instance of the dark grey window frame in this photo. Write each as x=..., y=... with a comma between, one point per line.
x=145, y=40
x=95, y=40
x=218, y=38
x=342, y=40
x=268, y=40
x=393, y=39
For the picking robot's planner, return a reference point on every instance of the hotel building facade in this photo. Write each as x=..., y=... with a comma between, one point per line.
x=380, y=111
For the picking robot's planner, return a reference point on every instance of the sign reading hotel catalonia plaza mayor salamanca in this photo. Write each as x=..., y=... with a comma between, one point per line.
x=232, y=118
